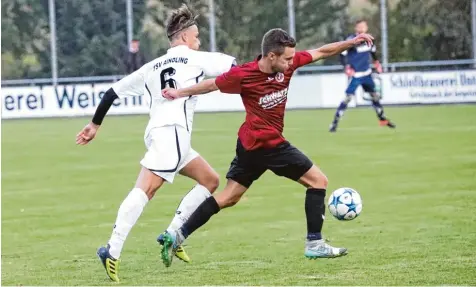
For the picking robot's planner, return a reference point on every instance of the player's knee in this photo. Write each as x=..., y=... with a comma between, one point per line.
x=375, y=97
x=319, y=180
x=233, y=200
x=347, y=99
x=149, y=182
x=324, y=180
x=150, y=192
x=227, y=200
x=211, y=181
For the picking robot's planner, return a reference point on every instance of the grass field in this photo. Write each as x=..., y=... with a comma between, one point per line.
x=418, y=183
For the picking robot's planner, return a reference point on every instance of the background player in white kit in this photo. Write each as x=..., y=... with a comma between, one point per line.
x=168, y=134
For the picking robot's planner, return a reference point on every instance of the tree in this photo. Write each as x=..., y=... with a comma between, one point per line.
x=91, y=37
x=24, y=38
x=322, y=22
x=91, y=34
x=430, y=30
x=240, y=27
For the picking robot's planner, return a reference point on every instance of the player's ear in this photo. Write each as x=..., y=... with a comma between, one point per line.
x=184, y=37
x=271, y=56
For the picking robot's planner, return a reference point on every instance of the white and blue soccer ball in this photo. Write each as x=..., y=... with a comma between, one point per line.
x=345, y=203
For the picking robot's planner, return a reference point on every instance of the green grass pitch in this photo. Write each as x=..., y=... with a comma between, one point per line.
x=418, y=183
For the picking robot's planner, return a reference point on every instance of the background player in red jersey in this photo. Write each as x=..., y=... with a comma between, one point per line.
x=263, y=85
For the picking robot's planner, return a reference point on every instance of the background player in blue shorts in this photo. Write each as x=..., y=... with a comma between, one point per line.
x=357, y=66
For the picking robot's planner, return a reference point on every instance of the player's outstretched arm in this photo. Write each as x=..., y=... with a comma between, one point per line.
x=89, y=131
x=338, y=47
x=201, y=88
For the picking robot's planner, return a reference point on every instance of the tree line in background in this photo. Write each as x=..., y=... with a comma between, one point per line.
x=91, y=34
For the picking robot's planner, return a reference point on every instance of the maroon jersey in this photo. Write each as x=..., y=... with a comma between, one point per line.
x=264, y=97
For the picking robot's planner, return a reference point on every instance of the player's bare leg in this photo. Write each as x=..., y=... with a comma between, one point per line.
x=383, y=121
x=130, y=210
x=340, y=112
x=316, y=183
x=207, y=182
x=212, y=205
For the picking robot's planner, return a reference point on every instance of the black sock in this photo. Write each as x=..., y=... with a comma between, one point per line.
x=339, y=112
x=315, y=210
x=203, y=213
x=378, y=110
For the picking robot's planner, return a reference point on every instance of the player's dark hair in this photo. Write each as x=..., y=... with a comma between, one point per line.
x=179, y=20
x=276, y=40
x=360, y=21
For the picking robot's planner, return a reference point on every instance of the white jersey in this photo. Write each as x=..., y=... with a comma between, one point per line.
x=181, y=67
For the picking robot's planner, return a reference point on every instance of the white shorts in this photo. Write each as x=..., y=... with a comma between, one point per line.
x=168, y=151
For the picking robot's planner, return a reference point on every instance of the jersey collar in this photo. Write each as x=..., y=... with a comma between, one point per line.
x=179, y=47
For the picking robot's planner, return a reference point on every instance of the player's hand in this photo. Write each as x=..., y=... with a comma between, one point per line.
x=87, y=134
x=170, y=93
x=363, y=38
x=378, y=67
x=349, y=71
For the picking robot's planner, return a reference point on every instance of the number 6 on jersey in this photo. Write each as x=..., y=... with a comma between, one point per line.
x=166, y=78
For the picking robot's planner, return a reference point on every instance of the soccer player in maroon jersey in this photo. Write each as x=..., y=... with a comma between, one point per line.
x=263, y=86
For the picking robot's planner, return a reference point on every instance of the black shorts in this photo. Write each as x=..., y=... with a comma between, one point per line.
x=284, y=160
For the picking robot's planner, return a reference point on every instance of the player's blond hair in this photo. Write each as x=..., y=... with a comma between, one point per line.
x=179, y=20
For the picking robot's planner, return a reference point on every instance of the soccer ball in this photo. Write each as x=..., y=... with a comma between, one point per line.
x=345, y=203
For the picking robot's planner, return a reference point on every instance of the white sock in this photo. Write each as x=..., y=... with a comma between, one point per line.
x=188, y=205
x=129, y=211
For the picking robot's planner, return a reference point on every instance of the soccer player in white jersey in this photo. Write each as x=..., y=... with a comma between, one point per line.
x=168, y=133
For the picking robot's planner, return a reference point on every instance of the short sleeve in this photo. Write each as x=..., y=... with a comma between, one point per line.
x=230, y=82
x=374, y=49
x=214, y=64
x=301, y=58
x=131, y=85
